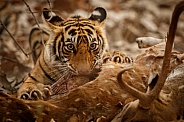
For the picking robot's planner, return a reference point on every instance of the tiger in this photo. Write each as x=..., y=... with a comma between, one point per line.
x=75, y=47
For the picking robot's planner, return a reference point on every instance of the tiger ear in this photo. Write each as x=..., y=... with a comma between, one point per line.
x=99, y=14
x=51, y=18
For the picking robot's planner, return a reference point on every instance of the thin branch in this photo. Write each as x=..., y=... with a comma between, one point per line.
x=40, y=46
x=49, y=4
x=36, y=22
x=51, y=9
x=14, y=39
x=12, y=60
x=33, y=11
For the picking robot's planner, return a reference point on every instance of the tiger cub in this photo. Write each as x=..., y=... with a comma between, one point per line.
x=75, y=47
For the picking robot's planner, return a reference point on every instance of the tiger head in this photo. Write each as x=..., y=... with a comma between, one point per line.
x=77, y=43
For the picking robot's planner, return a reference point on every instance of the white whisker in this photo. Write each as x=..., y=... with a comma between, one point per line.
x=60, y=65
x=61, y=75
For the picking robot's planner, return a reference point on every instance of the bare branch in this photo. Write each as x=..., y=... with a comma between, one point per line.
x=40, y=46
x=49, y=4
x=14, y=39
x=36, y=22
x=10, y=59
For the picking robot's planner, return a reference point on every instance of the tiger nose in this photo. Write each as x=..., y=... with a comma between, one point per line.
x=83, y=60
x=83, y=70
x=83, y=66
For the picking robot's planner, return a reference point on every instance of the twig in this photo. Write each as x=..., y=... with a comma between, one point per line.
x=36, y=22
x=9, y=59
x=35, y=49
x=51, y=9
x=49, y=4
x=14, y=39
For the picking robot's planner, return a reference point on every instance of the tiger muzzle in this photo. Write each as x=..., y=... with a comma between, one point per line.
x=83, y=62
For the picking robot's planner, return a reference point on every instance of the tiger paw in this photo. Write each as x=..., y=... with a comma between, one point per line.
x=120, y=57
x=106, y=57
x=117, y=56
x=30, y=91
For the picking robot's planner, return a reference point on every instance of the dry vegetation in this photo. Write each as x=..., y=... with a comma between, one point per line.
x=127, y=20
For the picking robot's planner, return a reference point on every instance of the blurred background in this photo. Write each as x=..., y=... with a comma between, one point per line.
x=126, y=20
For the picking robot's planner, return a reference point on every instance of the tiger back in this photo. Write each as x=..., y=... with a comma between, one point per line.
x=75, y=47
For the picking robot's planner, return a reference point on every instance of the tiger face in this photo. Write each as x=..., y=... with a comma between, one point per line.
x=75, y=47
x=76, y=44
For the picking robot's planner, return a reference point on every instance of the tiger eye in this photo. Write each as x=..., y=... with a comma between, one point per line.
x=93, y=46
x=70, y=46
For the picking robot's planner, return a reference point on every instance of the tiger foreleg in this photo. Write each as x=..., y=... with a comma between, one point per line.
x=30, y=90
